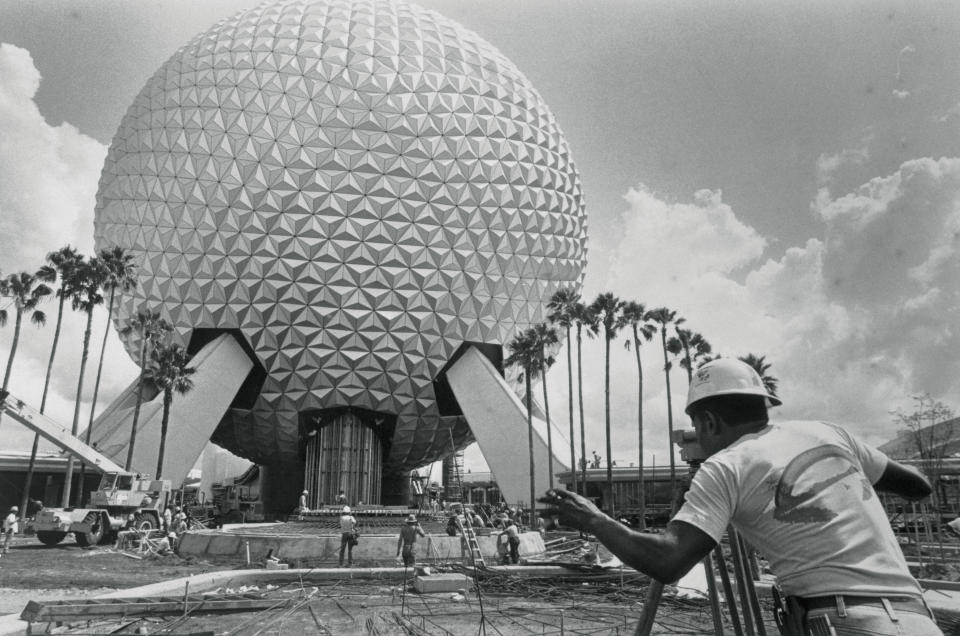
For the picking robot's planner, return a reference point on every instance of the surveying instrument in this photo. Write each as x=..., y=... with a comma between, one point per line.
x=752, y=624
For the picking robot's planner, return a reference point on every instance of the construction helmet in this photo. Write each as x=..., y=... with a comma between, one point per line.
x=727, y=376
x=346, y=508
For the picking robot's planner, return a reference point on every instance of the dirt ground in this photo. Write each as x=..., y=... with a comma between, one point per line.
x=32, y=570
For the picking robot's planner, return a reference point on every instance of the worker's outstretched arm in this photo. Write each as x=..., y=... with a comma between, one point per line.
x=665, y=557
x=906, y=481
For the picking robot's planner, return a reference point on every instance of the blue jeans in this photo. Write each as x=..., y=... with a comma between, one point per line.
x=861, y=620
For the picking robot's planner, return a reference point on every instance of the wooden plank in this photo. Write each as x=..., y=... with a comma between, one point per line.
x=54, y=611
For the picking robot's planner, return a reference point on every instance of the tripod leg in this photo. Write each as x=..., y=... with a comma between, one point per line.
x=714, y=597
x=741, y=573
x=728, y=590
x=751, y=589
x=645, y=624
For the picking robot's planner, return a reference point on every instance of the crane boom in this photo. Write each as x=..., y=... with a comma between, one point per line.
x=55, y=433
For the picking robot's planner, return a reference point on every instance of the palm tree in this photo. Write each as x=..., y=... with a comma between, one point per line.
x=169, y=372
x=60, y=264
x=634, y=315
x=119, y=273
x=608, y=309
x=761, y=366
x=561, y=313
x=546, y=339
x=525, y=353
x=86, y=297
x=666, y=317
x=583, y=316
x=26, y=292
x=696, y=350
x=151, y=328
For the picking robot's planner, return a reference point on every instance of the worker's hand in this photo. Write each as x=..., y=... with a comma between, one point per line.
x=572, y=509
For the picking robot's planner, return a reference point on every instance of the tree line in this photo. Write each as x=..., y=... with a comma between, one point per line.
x=606, y=317
x=85, y=283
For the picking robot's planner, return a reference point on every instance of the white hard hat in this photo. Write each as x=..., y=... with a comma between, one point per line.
x=727, y=376
x=346, y=508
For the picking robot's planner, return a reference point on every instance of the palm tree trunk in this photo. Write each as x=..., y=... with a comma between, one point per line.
x=103, y=351
x=139, y=403
x=583, y=437
x=13, y=349
x=76, y=414
x=573, y=436
x=673, y=463
x=28, y=482
x=643, y=492
x=546, y=413
x=96, y=385
x=167, y=401
x=606, y=405
x=533, y=488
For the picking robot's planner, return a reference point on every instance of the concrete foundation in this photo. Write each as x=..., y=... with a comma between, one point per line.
x=377, y=548
x=442, y=583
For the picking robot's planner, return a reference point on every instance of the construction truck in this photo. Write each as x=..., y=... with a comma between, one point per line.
x=120, y=494
x=239, y=501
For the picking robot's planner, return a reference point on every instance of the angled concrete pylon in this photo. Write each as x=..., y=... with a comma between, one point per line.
x=222, y=365
x=498, y=420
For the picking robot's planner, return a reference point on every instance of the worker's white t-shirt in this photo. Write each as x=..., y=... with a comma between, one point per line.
x=10, y=523
x=801, y=493
x=347, y=523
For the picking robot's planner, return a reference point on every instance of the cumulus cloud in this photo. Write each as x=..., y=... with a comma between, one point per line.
x=48, y=183
x=854, y=322
x=49, y=172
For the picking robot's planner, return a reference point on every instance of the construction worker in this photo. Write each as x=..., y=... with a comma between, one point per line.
x=9, y=528
x=800, y=492
x=348, y=535
x=302, y=504
x=407, y=540
x=513, y=540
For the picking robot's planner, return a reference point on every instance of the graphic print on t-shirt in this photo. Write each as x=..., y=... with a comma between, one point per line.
x=814, y=485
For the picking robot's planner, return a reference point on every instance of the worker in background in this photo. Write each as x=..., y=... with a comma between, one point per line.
x=127, y=533
x=406, y=542
x=167, y=519
x=302, y=504
x=476, y=520
x=341, y=499
x=513, y=540
x=180, y=524
x=9, y=528
x=348, y=535
x=800, y=492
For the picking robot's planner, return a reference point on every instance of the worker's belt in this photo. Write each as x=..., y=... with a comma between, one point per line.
x=839, y=602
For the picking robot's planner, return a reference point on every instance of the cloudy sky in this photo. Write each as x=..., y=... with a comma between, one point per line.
x=785, y=175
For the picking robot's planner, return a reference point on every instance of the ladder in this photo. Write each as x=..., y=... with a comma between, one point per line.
x=466, y=529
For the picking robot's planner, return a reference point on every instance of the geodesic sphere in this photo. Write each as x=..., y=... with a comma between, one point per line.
x=358, y=188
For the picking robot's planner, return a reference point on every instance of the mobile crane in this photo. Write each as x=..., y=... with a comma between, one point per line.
x=120, y=493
